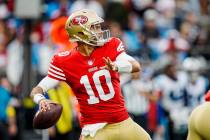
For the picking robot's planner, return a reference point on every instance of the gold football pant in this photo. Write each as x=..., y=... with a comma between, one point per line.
x=199, y=126
x=125, y=130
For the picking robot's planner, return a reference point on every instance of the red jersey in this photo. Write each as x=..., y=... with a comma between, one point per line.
x=97, y=90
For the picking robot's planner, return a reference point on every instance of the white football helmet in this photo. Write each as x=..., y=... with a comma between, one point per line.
x=191, y=64
x=85, y=26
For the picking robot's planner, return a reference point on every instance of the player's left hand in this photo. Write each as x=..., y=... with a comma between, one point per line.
x=109, y=64
x=44, y=105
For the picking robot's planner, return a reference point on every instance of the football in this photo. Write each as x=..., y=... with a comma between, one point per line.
x=46, y=119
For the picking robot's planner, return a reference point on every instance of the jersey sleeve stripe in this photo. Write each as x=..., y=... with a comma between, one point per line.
x=56, y=72
x=56, y=76
x=51, y=65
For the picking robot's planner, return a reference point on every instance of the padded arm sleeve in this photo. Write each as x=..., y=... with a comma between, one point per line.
x=48, y=83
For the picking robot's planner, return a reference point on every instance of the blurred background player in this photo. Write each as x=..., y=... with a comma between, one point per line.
x=8, y=126
x=138, y=94
x=198, y=126
x=197, y=84
x=92, y=70
x=169, y=86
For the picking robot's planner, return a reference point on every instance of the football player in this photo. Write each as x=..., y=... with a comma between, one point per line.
x=198, y=122
x=92, y=70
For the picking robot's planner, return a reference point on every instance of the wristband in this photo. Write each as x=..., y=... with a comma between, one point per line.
x=123, y=66
x=38, y=97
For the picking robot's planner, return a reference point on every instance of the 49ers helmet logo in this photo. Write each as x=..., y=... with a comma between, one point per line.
x=79, y=19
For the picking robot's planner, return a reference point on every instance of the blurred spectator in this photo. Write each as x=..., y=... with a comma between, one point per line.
x=150, y=30
x=56, y=8
x=8, y=127
x=166, y=16
x=190, y=29
x=4, y=40
x=150, y=35
x=142, y=4
x=116, y=29
x=173, y=48
x=45, y=53
x=5, y=97
x=139, y=6
x=41, y=54
x=88, y=4
x=2, y=58
x=15, y=60
x=201, y=45
x=4, y=12
x=116, y=11
x=131, y=37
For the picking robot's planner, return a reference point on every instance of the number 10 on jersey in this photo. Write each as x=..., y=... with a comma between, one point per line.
x=96, y=79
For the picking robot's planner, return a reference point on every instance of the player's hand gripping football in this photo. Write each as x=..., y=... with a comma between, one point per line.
x=44, y=105
x=109, y=64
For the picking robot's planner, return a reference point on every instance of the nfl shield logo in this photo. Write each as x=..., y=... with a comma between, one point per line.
x=90, y=62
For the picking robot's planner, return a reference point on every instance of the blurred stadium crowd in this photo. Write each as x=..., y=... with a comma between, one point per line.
x=170, y=38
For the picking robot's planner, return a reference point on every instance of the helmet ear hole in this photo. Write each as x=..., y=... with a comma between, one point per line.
x=81, y=33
